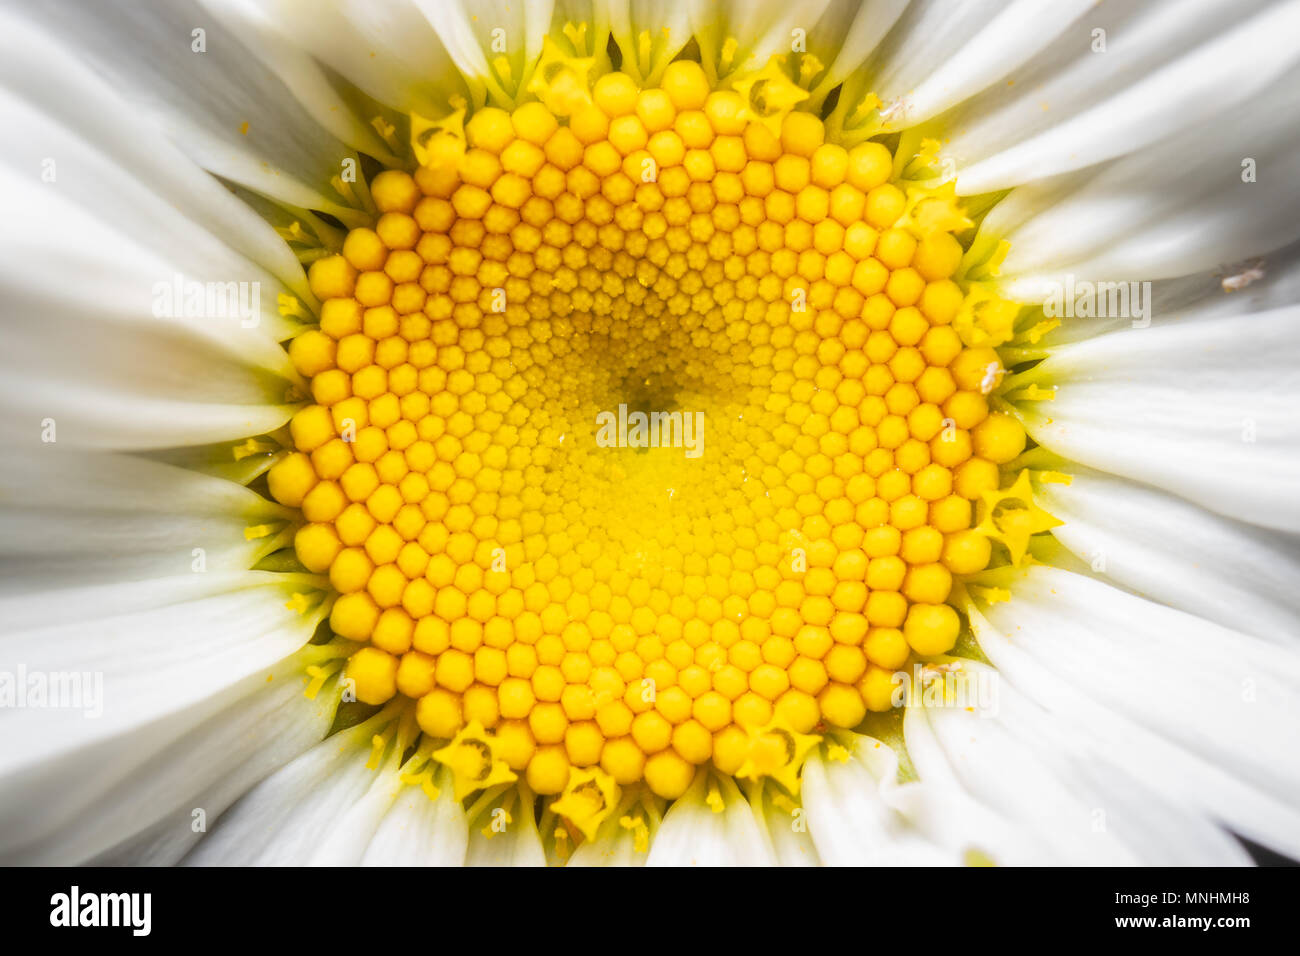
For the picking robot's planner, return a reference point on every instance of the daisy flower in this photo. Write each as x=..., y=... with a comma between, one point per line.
x=630, y=432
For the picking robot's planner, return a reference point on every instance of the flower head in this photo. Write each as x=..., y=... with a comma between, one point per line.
x=679, y=434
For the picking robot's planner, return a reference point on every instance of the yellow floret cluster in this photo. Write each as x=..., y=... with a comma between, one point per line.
x=635, y=609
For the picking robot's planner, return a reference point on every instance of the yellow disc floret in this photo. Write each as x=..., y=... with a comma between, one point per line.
x=641, y=438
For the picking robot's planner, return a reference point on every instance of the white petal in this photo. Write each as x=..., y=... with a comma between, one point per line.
x=417, y=831
x=617, y=847
x=1069, y=76
x=75, y=518
x=785, y=830
x=1145, y=99
x=851, y=821
x=1054, y=783
x=347, y=836
x=938, y=54
x=303, y=75
x=329, y=808
x=302, y=810
x=154, y=659
x=618, y=850
x=222, y=107
x=616, y=844
x=854, y=30
x=1173, y=551
x=63, y=195
x=149, y=816
x=762, y=28
x=1200, y=713
x=666, y=24
x=470, y=35
x=111, y=160
x=519, y=844
x=693, y=834
x=860, y=813
x=100, y=278
x=1198, y=297
x=1176, y=208
x=387, y=48
x=92, y=357
x=1205, y=410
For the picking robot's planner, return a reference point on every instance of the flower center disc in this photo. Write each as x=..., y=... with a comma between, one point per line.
x=641, y=429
